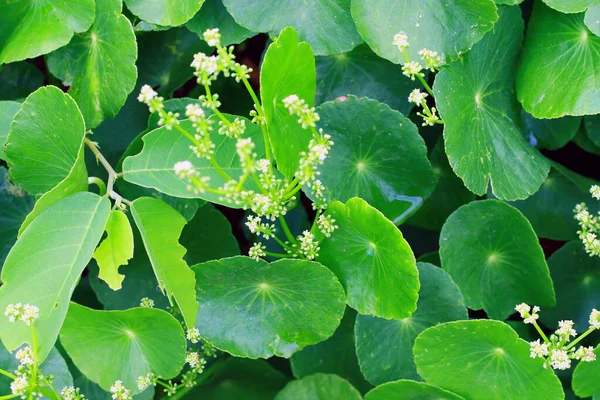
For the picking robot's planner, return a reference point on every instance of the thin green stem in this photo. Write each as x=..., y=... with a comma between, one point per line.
x=281, y=243
x=542, y=334
x=314, y=224
x=293, y=192
x=214, y=368
x=423, y=82
x=278, y=255
x=34, y=345
x=291, y=185
x=8, y=396
x=93, y=180
x=220, y=170
x=580, y=338
x=286, y=230
x=7, y=374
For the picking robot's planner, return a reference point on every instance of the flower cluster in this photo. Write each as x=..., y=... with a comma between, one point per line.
x=558, y=350
x=71, y=393
x=26, y=313
x=28, y=381
x=193, y=335
x=307, y=116
x=146, y=302
x=120, y=392
x=145, y=381
x=589, y=224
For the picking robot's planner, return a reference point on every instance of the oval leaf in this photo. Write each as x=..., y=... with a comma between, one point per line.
x=276, y=302
x=372, y=260
x=491, y=252
x=493, y=361
x=123, y=345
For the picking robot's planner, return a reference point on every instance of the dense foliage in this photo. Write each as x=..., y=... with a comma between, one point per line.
x=325, y=199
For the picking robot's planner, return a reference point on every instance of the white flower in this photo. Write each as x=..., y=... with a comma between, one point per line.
x=595, y=319
x=194, y=112
x=263, y=165
x=537, y=349
x=193, y=335
x=147, y=302
x=19, y=386
x=147, y=94
x=565, y=329
x=326, y=225
x=30, y=314
x=523, y=309
x=531, y=319
x=13, y=311
x=595, y=191
x=145, y=381
x=309, y=247
x=307, y=115
x=71, y=393
x=401, y=40
x=256, y=226
x=25, y=356
x=412, y=69
x=560, y=360
x=417, y=97
x=183, y=169
x=257, y=251
x=119, y=392
x=432, y=59
x=233, y=129
x=193, y=359
x=585, y=354
x=212, y=37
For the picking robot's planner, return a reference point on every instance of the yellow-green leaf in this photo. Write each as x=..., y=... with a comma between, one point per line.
x=115, y=250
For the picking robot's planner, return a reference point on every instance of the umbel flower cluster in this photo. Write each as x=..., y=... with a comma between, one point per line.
x=413, y=69
x=559, y=349
x=271, y=196
x=589, y=224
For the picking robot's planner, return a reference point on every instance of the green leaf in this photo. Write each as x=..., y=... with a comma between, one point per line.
x=153, y=166
x=164, y=12
x=482, y=131
x=31, y=28
x=550, y=134
x=45, y=264
x=493, y=361
x=440, y=301
x=410, y=390
x=592, y=128
x=115, y=250
x=18, y=80
x=592, y=19
x=54, y=365
x=288, y=68
x=15, y=204
x=585, y=377
x=560, y=67
x=448, y=27
x=449, y=193
x=285, y=305
x=362, y=73
x=8, y=109
x=325, y=24
x=372, y=261
x=213, y=14
x=240, y=378
x=550, y=210
x=175, y=49
x=123, y=345
x=160, y=227
x=571, y=6
x=319, y=387
x=335, y=355
x=45, y=140
x=208, y=236
x=378, y=156
x=99, y=65
x=491, y=252
x=576, y=278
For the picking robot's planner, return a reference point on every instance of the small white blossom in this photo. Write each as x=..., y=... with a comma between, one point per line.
x=194, y=112
x=193, y=335
x=263, y=165
x=30, y=314
x=146, y=94
x=431, y=58
x=595, y=319
x=25, y=356
x=147, y=302
x=233, y=129
x=19, y=386
x=184, y=169
x=412, y=69
x=212, y=37
x=193, y=359
x=119, y=392
x=523, y=309
x=585, y=354
x=417, y=97
x=537, y=349
x=308, y=116
x=145, y=381
x=308, y=247
x=595, y=191
x=401, y=40
x=559, y=359
x=257, y=251
x=13, y=311
x=565, y=329
x=326, y=225
x=256, y=226
x=71, y=393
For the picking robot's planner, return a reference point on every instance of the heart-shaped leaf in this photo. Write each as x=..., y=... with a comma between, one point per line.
x=277, y=303
x=494, y=363
x=378, y=156
x=213, y=14
x=99, y=65
x=440, y=300
x=482, y=130
x=372, y=260
x=560, y=67
x=491, y=252
x=450, y=27
x=46, y=263
x=334, y=33
x=123, y=345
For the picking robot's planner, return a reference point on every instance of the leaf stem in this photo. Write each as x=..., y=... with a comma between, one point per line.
x=423, y=82
x=112, y=174
x=542, y=334
x=7, y=374
x=580, y=338
x=94, y=180
x=286, y=230
x=8, y=396
x=278, y=255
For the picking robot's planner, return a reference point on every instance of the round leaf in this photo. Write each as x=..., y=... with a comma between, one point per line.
x=334, y=32
x=410, y=390
x=482, y=130
x=31, y=28
x=164, y=12
x=284, y=306
x=592, y=19
x=493, y=361
x=213, y=14
x=319, y=387
x=576, y=278
x=378, y=156
x=585, y=377
x=550, y=134
x=570, y=6
x=123, y=345
x=450, y=27
x=8, y=109
x=100, y=64
x=491, y=252
x=372, y=260
x=559, y=72
x=440, y=300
